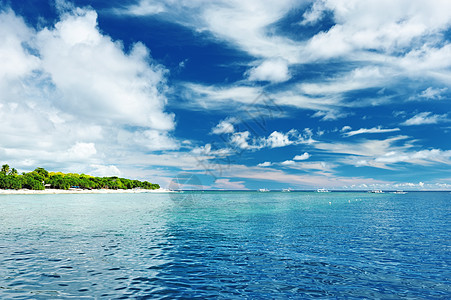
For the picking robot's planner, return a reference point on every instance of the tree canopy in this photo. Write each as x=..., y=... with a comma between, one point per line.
x=39, y=179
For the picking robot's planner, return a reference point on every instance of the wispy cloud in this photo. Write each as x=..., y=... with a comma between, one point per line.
x=226, y=183
x=432, y=93
x=391, y=158
x=300, y=181
x=370, y=130
x=425, y=118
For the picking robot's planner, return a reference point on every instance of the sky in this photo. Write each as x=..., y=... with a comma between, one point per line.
x=337, y=94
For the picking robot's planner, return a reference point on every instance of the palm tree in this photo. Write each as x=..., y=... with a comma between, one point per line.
x=5, y=169
x=13, y=172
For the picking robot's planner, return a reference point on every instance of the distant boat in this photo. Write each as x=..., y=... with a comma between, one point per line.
x=400, y=192
x=376, y=192
x=263, y=190
x=286, y=190
x=323, y=191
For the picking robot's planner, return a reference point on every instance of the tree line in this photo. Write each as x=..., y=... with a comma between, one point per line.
x=40, y=178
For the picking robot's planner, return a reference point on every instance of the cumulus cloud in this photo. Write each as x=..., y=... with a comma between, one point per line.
x=225, y=126
x=69, y=94
x=97, y=79
x=265, y=164
x=278, y=139
x=304, y=156
x=273, y=70
x=425, y=118
x=288, y=163
x=240, y=139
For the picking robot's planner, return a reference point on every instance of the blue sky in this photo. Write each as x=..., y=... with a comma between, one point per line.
x=338, y=94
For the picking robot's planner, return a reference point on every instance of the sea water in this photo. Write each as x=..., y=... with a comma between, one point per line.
x=227, y=245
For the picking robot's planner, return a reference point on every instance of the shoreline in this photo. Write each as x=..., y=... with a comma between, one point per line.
x=80, y=191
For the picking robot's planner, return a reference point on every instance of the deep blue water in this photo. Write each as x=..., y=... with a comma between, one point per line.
x=226, y=245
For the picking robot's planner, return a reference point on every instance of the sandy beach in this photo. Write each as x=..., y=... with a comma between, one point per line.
x=79, y=191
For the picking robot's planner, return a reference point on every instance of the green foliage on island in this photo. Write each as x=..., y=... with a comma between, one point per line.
x=40, y=178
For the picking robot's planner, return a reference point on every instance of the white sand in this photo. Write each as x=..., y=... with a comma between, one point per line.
x=79, y=191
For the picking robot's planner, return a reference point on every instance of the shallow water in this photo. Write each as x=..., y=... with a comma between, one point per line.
x=226, y=244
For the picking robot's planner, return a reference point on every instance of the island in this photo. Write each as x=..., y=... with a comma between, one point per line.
x=42, y=180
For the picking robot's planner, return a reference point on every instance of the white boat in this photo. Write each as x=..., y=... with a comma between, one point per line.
x=323, y=191
x=400, y=192
x=376, y=192
x=263, y=190
x=286, y=190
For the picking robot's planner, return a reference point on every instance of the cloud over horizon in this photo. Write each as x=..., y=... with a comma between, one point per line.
x=249, y=91
x=71, y=86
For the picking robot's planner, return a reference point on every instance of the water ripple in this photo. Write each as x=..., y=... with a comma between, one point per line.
x=227, y=245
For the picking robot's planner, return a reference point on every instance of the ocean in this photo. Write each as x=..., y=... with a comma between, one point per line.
x=242, y=245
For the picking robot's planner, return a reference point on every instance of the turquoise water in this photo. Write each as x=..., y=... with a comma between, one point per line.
x=227, y=245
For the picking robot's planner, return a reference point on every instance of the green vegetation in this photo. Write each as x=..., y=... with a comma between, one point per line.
x=41, y=178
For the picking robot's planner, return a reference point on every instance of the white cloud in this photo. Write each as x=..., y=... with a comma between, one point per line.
x=102, y=170
x=425, y=118
x=210, y=152
x=385, y=153
x=81, y=151
x=359, y=78
x=379, y=24
x=346, y=128
x=288, y=163
x=143, y=8
x=225, y=183
x=384, y=42
x=370, y=148
x=69, y=95
x=225, y=126
x=242, y=23
x=423, y=157
x=264, y=164
x=278, y=139
x=300, y=181
x=302, y=157
x=273, y=70
x=240, y=139
x=16, y=61
x=213, y=97
x=371, y=130
x=432, y=94
x=97, y=79
x=329, y=115
x=153, y=140
x=315, y=13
